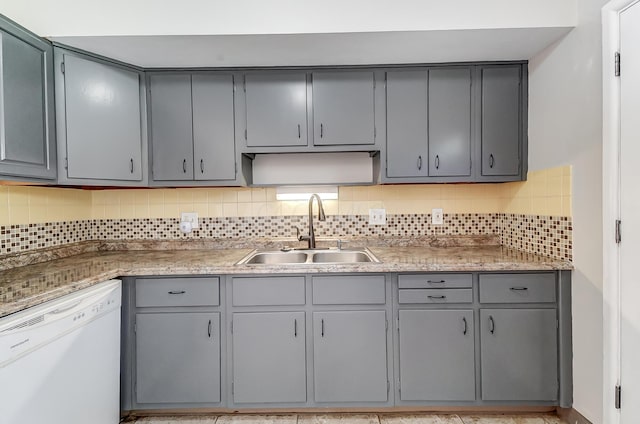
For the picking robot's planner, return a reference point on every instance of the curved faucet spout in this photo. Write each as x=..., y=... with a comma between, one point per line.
x=321, y=217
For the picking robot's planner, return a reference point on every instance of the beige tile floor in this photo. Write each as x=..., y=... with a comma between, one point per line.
x=357, y=419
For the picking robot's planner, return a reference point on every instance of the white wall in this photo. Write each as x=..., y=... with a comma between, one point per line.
x=565, y=127
x=197, y=17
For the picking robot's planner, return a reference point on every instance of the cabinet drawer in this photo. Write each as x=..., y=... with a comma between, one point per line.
x=426, y=281
x=435, y=296
x=348, y=290
x=162, y=292
x=258, y=291
x=518, y=288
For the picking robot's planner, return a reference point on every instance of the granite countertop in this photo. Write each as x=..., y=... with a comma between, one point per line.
x=32, y=284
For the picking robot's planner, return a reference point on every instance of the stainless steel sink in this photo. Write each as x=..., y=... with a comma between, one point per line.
x=275, y=258
x=305, y=256
x=342, y=256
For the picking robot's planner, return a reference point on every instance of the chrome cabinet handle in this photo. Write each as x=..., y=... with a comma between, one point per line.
x=295, y=328
x=437, y=297
x=464, y=329
x=436, y=281
x=322, y=327
x=184, y=166
x=519, y=288
x=321, y=130
x=209, y=329
x=177, y=292
x=299, y=131
x=202, y=166
x=419, y=162
x=131, y=166
x=437, y=162
x=492, y=325
x=491, y=160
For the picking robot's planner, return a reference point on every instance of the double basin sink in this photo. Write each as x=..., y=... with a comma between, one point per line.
x=308, y=256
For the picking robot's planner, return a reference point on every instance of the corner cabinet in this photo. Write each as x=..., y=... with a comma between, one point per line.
x=27, y=122
x=456, y=124
x=191, y=129
x=101, y=121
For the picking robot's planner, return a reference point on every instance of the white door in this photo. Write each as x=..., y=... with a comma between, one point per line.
x=630, y=213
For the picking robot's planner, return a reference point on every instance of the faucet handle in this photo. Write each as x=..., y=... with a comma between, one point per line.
x=299, y=236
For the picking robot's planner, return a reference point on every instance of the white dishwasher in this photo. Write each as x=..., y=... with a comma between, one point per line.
x=60, y=361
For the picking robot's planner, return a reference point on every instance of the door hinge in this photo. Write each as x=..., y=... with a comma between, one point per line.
x=617, y=64
x=618, y=231
x=244, y=84
x=245, y=134
x=557, y=324
x=135, y=327
x=618, y=394
x=235, y=168
x=66, y=163
x=375, y=132
x=233, y=389
x=62, y=67
x=386, y=324
x=231, y=327
x=388, y=387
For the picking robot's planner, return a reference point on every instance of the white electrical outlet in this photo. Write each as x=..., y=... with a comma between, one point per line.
x=190, y=217
x=437, y=217
x=377, y=216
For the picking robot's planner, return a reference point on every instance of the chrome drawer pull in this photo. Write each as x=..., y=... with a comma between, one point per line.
x=464, y=321
x=209, y=329
x=437, y=297
x=177, y=292
x=519, y=288
x=492, y=325
x=435, y=282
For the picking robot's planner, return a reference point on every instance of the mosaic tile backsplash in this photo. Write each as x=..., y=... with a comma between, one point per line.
x=545, y=235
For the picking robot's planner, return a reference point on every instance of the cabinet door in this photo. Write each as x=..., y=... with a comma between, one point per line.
x=276, y=109
x=178, y=358
x=501, y=120
x=519, y=354
x=449, y=122
x=171, y=132
x=213, y=129
x=350, y=356
x=407, y=124
x=343, y=108
x=103, y=120
x=269, y=361
x=27, y=141
x=437, y=355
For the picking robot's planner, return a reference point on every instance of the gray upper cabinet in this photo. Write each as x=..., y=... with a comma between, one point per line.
x=100, y=121
x=192, y=127
x=407, y=152
x=428, y=124
x=519, y=356
x=501, y=119
x=276, y=109
x=343, y=108
x=27, y=130
x=437, y=355
x=350, y=356
x=178, y=358
x=213, y=127
x=269, y=357
x=449, y=122
x=171, y=127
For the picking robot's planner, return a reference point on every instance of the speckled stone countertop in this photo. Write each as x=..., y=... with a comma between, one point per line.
x=29, y=285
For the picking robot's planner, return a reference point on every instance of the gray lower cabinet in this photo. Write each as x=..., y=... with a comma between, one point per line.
x=343, y=108
x=192, y=128
x=429, y=124
x=501, y=120
x=519, y=354
x=437, y=355
x=269, y=357
x=275, y=109
x=27, y=120
x=178, y=357
x=350, y=356
x=100, y=114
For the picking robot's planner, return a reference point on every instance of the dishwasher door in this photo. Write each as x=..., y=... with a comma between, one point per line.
x=60, y=364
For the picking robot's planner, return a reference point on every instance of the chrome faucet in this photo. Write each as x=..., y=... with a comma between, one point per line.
x=311, y=238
